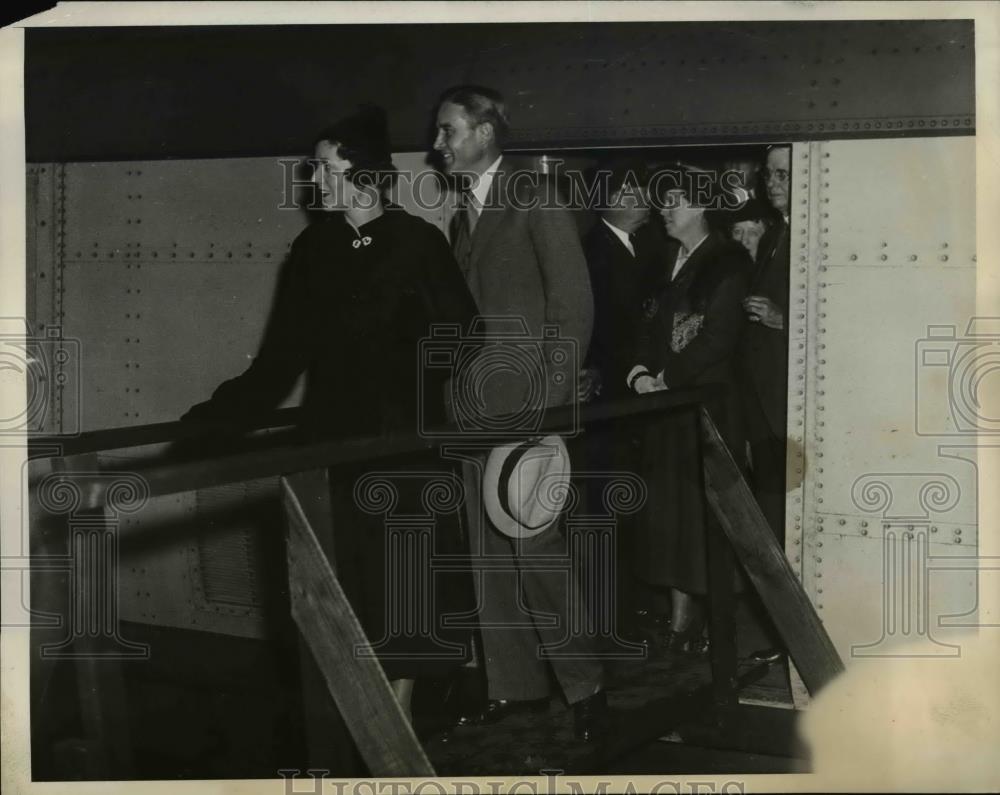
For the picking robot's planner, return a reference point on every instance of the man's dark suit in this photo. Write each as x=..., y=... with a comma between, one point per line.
x=523, y=261
x=620, y=281
x=765, y=377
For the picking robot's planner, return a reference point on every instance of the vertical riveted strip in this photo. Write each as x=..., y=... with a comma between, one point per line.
x=59, y=289
x=806, y=218
x=795, y=463
x=816, y=259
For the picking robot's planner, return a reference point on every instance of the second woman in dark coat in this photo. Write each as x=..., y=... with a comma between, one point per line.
x=689, y=337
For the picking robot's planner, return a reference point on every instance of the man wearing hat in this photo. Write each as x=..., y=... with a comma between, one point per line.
x=521, y=256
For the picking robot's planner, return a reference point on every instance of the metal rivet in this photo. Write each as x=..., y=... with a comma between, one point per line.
x=864, y=532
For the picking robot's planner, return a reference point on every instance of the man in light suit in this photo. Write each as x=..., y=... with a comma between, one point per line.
x=521, y=256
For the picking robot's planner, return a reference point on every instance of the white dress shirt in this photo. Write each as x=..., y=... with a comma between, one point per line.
x=622, y=235
x=683, y=255
x=482, y=189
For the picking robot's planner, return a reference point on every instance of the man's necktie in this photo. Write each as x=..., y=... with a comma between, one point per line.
x=462, y=227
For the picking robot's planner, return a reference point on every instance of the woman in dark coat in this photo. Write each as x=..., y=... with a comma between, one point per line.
x=362, y=286
x=689, y=337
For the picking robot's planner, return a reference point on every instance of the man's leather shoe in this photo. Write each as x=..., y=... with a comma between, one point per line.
x=497, y=709
x=770, y=655
x=590, y=717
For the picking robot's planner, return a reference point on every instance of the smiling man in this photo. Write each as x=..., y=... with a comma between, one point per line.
x=522, y=259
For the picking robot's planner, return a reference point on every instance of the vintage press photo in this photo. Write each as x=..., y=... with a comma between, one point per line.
x=552, y=398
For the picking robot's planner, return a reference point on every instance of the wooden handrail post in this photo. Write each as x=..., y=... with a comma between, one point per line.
x=721, y=569
x=332, y=632
x=765, y=563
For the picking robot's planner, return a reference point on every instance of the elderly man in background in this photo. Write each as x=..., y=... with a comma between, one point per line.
x=765, y=357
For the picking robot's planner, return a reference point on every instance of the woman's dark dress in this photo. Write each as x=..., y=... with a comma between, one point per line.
x=350, y=311
x=691, y=331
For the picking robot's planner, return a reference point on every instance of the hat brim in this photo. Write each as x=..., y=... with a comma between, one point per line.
x=492, y=476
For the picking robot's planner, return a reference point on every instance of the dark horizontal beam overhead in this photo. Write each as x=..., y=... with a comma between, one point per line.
x=232, y=91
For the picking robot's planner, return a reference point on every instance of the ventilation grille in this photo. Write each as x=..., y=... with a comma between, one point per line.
x=231, y=542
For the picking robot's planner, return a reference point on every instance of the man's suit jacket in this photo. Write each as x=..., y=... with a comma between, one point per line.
x=765, y=350
x=527, y=265
x=620, y=282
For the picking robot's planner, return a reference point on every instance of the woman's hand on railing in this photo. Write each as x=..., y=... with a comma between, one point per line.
x=642, y=382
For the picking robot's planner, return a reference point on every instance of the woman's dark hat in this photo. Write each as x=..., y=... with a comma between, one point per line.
x=751, y=210
x=363, y=138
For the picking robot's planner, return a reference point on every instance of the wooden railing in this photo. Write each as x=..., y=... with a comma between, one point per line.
x=329, y=626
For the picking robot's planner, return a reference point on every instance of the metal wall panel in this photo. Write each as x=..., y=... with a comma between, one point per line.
x=172, y=573
x=120, y=94
x=893, y=253
x=870, y=609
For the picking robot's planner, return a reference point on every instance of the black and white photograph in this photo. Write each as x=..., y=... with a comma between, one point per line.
x=531, y=397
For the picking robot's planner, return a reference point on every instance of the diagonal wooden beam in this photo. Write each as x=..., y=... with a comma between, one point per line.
x=765, y=563
x=332, y=631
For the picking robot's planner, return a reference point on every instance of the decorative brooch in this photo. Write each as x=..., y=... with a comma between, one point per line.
x=649, y=308
x=686, y=328
x=361, y=241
